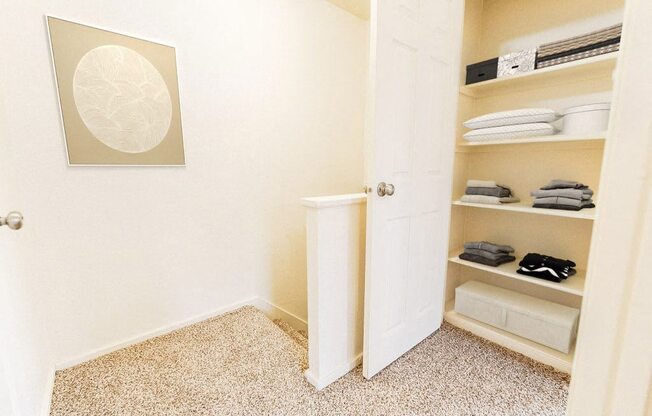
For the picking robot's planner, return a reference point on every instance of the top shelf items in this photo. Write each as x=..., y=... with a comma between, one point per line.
x=589, y=68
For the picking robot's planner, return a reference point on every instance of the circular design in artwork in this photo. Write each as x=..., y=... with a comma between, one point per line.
x=122, y=99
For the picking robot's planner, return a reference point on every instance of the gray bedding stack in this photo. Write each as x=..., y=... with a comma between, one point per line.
x=563, y=194
x=580, y=47
x=487, y=192
x=487, y=253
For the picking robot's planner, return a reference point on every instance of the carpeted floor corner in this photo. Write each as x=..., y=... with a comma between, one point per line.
x=242, y=363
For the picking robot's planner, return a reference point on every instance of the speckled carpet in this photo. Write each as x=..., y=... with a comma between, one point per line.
x=242, y=363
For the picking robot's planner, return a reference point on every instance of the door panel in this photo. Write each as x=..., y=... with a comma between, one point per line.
x=398, y=233
x=415, y=56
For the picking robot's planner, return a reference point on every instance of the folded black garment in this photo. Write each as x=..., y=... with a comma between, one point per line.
x=544, y=274
x=499, y=191
x=485, y=261
x=546, y=267
x=564, y=207
x=535, y=259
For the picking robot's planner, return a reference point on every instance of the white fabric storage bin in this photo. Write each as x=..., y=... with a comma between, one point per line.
x=586, y=119
x=539, y=320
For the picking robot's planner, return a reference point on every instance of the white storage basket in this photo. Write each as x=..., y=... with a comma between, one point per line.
x=539, y=320
x=586, y=119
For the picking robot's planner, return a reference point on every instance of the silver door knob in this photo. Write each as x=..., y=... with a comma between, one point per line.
x=385, y=189
x=13, y=220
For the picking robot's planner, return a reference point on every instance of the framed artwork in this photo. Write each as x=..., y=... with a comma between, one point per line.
x=119, y=97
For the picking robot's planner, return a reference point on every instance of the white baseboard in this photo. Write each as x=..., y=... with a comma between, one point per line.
x=276, y=312
x=271, y=310
x=321, y=382
x=152, y=334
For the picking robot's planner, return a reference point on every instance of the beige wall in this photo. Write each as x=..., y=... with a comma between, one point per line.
x=360, y=8
x=272, y=110
x=512, y=25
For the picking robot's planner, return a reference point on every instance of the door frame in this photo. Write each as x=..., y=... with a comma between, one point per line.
x=612, y=370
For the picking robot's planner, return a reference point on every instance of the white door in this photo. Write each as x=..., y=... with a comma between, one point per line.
x=414, y=71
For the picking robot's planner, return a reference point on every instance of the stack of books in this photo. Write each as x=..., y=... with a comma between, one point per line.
x=580, y=47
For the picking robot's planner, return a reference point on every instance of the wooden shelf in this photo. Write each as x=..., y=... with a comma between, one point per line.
x=558, y=138
x=573, y=285
x=585, y=214
x=582, y=69
x=538, y=352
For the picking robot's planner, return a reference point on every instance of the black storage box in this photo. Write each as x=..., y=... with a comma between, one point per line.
x=482, y=71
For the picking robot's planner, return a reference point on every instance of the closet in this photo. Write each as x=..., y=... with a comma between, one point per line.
x=418, y=164
x=493, y=28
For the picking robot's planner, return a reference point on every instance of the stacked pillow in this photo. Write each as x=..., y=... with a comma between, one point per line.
x=525, y=122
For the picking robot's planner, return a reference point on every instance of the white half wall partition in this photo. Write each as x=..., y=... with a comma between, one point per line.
x=335, y=239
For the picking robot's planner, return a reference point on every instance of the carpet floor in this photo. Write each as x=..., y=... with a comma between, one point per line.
x=242, y=363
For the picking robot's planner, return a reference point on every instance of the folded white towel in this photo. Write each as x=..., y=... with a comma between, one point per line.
x=477, y=183
x=492, y=200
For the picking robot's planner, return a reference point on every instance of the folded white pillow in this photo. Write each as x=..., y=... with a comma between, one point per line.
x=508, y=118
x=511, y=132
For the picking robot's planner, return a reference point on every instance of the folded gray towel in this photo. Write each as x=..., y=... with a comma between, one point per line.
x=560, y=200
x=561, y=184
x=477, y=183
x=486, y=254
x=499, y=191
x=487, y=246
x=563, y=192
x=491, y=200
x=488, y=262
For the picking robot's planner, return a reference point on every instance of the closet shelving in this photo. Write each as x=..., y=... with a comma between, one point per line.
x=491, y=29
x=585, y=214
x=521, y=345
x=594, y=67
x=573, y=285
x=541, y=139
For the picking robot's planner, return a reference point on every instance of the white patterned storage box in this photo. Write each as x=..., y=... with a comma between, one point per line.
x=539, y=320
x=517, y=63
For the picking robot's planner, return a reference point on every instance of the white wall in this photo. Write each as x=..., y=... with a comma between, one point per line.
x=336, y=241
x=272, y=96
x=5, y=395
x=613, y=361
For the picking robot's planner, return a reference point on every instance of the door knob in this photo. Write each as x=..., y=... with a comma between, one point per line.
x=385, y=189
x=13, y=220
